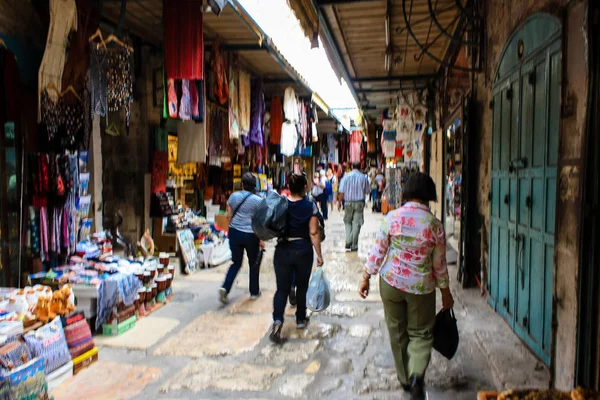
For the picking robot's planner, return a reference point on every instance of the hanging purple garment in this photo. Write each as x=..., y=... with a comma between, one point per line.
x=257, y=113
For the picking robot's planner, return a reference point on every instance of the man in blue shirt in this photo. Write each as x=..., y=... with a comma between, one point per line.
x=354, y=187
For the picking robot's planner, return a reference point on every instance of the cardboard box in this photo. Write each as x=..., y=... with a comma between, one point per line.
x=222, y=221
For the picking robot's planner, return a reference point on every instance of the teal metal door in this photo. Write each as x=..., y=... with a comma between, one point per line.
x=526, y=111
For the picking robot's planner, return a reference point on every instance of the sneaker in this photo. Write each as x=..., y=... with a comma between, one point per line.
x=255, y=296
x=303, y=323
x=275, y=335
x=354, y=249
x=223, y=296
x=292, y=297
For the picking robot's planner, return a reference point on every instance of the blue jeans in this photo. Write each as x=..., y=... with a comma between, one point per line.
x=291, y=264
x=374, y=194
x=238, y=242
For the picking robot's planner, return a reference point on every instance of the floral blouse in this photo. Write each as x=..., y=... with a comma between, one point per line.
x=414, y=242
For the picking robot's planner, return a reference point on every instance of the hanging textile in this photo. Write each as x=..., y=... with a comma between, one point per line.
x=355, y=143
x=289, y=139
x=389, y=148
x=332, y=154
x=195, y=101
x=78, y=58
x=63, y=19
x=201, y=88
x=257, y=112
x=276, y=120
x=371, y=138
x=290, y=105
x=217, y=62
x=234, y=128
x=244, y=102
x=120, y=82
x=183, y=39
x=191, y=144
x=185, y=107
x=98, y=80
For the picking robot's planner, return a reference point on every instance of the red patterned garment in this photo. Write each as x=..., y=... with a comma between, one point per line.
x=183, y=39
x=413, y=244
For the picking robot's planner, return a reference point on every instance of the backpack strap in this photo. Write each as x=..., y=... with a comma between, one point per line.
x=239, y=205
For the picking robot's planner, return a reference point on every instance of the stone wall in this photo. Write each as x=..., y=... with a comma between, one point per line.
x=572, y=13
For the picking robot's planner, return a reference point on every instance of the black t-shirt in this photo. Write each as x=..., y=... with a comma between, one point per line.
x=298, y=220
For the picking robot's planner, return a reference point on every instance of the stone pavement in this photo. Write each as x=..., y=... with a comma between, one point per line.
x=194, y=348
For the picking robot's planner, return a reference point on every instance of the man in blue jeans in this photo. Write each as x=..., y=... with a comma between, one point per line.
x=241, y=207
x=354, y=187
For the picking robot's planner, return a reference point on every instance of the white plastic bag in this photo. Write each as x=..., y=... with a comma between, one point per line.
x=317, y=296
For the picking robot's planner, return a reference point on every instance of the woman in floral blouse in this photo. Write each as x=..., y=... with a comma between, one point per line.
x=410, y=257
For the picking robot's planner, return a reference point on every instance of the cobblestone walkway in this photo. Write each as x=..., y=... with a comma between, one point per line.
x=193, y=348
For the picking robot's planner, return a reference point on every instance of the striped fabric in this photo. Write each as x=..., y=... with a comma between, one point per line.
x=355, y=186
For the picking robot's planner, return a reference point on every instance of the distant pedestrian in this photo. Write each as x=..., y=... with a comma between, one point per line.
x=332, y=182
x=241, y=207
x=354, y=187
x=412, y=242
x=294, y=256
x=318, y=191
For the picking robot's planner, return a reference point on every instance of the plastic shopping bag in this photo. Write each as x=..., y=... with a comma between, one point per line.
x=270, y=218
x=317, y=296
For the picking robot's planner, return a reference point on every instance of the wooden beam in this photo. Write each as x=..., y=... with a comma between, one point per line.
x=400, y=78
x=391, y=89
x=337, y=2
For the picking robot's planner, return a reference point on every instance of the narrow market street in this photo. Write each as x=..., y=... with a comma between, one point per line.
x=193, y=348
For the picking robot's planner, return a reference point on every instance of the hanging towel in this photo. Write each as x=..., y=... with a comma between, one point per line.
x=183, y=39
x=191, y=145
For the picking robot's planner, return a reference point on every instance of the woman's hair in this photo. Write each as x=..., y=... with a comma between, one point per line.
x=249, y=182
x=421, y=187
x=298, y=184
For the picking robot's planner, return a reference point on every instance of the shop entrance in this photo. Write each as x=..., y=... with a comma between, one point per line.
x=526, y=112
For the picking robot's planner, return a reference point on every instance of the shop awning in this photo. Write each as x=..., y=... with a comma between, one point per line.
x=235, y=30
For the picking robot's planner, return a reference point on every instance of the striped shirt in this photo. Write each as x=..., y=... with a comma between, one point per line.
x=355, y=186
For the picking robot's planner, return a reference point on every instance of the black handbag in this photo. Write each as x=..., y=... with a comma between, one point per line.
x=445, y=333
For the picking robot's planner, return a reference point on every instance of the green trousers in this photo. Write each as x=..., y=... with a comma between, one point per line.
x=353, y=219
x=409, y=318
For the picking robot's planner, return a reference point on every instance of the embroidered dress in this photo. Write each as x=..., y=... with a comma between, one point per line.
x=413, y=244
x=63, y=19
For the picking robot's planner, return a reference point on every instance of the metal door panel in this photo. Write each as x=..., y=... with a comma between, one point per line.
x=505, y=129
x=523, y=280
x=494, y=259
x=512, y=209
x=536, y=204
x=548, y=291
x=550, y=204
x=523, y=202
x=504, y=300
x=506, y=197
x=554, y=106
x=538, y=81
x=524, y=191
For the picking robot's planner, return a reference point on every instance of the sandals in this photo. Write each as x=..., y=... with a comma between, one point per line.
x=275, y=335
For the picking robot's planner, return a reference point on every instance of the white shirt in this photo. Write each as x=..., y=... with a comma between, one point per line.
x=290, y=105
x=316, y=190
x=289, y=139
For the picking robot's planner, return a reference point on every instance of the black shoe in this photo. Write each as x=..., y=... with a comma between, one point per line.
x=417, y=391
x=348, y=247
x=406, y=388
x=292, y=297
x=303, y=323
x=275, y=335
x=354, y=249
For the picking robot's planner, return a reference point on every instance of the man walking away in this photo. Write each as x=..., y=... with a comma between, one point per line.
x=354, y=187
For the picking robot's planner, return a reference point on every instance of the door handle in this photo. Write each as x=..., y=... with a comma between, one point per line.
x=517, y=164
x=506, y=199
x=525, y=322
x=528, y=202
